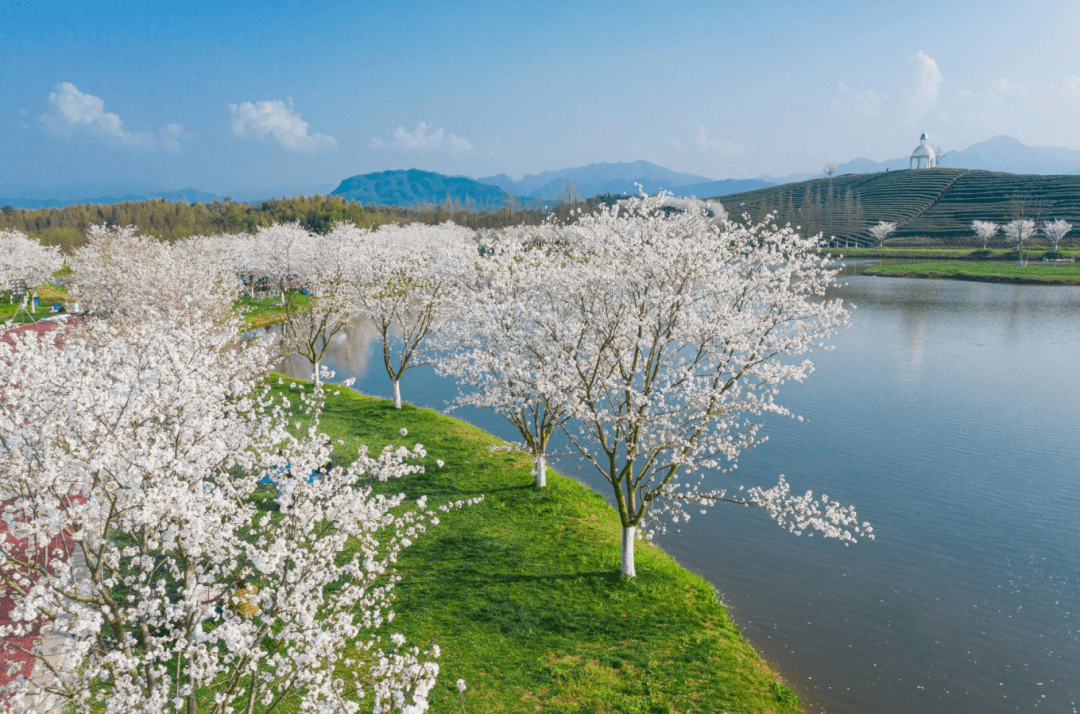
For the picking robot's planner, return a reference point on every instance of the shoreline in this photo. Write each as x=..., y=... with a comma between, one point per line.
x=975, y=277
x=524, y=591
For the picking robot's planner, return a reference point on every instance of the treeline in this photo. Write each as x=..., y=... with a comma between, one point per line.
x=835, y=212
x=66, y=227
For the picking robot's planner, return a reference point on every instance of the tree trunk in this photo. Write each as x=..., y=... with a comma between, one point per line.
x=397, y=394
x=316, y=379
x=629, y=534
x=541, y=471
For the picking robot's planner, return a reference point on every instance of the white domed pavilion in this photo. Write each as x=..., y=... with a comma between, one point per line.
x=923, y=157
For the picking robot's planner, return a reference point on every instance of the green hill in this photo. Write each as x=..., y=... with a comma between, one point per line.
x=930, y=206
x=415, y=188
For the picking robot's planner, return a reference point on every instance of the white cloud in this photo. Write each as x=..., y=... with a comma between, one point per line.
x=1006, y=106
x=275, y=120
x=71, y=110
x=922, y=94
x=423, y=138
x=867, y=102
x=708, y=145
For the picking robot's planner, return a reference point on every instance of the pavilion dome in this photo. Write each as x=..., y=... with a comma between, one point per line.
x=923, y=157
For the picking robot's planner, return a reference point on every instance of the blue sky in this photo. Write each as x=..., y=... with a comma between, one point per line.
x=267, y=96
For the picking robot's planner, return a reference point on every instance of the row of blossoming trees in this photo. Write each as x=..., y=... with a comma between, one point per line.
x=653, y=334
x=1021, y=230
x=1017, y=232
x=131, y=445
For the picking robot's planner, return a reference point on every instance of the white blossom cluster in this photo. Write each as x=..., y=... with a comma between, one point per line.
x=1020, y=230
x=408, y=279
x=404, y=278
x=653, y=333
x=143, y=437
x=22, y=258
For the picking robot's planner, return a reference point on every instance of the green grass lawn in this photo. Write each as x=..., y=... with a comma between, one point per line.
x=523, y=595
x=257, y=313
x=48, y=293
x=1064, y=274
x=266, y=310
x=966, y=253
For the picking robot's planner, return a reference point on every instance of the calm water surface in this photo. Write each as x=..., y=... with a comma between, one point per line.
x=949, y=413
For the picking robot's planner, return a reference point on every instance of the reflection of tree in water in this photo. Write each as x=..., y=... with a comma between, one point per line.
x=348, y=355
x=917, y=317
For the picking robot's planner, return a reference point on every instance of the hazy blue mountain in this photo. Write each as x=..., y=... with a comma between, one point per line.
x=1000, y=153
x=501, y=180
x=711, y=189
x=1004, y=153
x=39, y=198
x=596, y=179
x=414, y=188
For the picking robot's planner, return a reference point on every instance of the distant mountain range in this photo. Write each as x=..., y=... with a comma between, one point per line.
x=37, y=198
x=1000, y=153
x=414, y=187
x=617, y=178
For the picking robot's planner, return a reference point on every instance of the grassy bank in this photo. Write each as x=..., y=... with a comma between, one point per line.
x=523, y=593
x=1034, y=273
x=48, y=293
x=965, y=254
x=257, y=313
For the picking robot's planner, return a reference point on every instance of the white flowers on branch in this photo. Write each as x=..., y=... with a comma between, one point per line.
x=500, y=340
x=1018, y=231
x=145, y=441
x=408, y=278
x=27, y=260
x=985, y=230
x=1055, y=231
x=655, y=337
x=126, y=277
x=312, y=321
x=882, y=231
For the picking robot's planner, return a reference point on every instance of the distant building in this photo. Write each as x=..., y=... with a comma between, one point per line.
x=923, y=157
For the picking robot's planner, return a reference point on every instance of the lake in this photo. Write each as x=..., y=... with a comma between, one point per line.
x=949, y=414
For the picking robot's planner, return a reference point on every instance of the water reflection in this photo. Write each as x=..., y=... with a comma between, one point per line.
x=948, y=413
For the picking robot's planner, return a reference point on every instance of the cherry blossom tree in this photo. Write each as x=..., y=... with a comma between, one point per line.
x=675, y=332
x=882, y=231
x=985, y=230
x=1018, y=231
x=124, y=277
x=498, y=343
x=326, y=274
x=279, y=254
x=408, y=279
x=1055, y=231
x=22, y=258
x=142, y=442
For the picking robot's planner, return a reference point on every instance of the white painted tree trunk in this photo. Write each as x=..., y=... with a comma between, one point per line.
x=629, y=535
x=397, y=394
x=317, y=379
x=541, y=471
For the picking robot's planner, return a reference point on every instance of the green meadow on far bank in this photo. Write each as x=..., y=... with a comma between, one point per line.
x=1033, y=273
x=523, y=594
x=48, y=294
x=1036, y=253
